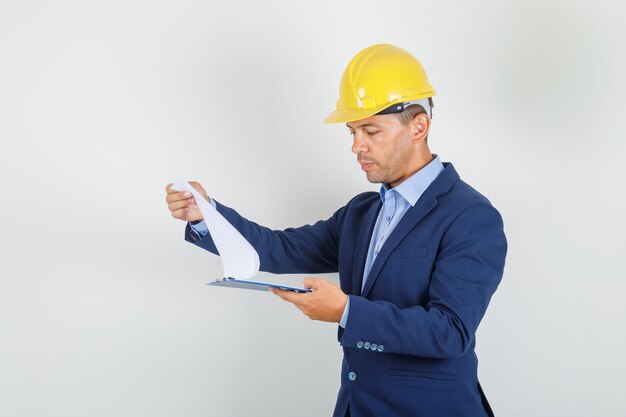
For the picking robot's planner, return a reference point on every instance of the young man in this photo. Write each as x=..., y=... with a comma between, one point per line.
x=418, y=262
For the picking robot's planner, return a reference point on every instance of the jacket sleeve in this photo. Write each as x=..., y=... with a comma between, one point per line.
x=466, y=273
x=306, y=249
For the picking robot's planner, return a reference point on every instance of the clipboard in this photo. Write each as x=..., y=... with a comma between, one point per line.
x=238, y=256
x=254, y=285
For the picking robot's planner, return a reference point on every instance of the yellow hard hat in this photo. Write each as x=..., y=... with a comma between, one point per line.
x=377, y=78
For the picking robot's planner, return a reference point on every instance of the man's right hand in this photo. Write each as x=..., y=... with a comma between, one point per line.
x=182, y=205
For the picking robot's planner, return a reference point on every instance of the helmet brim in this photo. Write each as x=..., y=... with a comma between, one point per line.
x=350, y=115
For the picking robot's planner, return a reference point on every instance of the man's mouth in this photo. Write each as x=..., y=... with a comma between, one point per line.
x=365, y=163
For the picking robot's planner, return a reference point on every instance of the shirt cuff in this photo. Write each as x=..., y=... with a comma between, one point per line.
x=201, y=228
x=344, y=317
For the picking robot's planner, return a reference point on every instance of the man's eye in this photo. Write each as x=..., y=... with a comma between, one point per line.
x=371, y=133
x=351, y=132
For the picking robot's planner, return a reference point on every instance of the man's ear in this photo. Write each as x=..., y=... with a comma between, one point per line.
x=420, y=124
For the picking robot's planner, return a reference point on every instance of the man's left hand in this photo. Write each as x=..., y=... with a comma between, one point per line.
x=325, y=303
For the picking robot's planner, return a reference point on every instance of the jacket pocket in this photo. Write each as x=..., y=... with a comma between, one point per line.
x=409, y=253
x=411, y=373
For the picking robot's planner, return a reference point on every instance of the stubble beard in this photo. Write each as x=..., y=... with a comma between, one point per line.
x=391, y=169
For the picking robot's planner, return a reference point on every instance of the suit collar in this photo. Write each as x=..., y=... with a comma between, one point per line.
x=413, y=187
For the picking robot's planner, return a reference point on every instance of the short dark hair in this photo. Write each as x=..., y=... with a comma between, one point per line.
x=413, y=110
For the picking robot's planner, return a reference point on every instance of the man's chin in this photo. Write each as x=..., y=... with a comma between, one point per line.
x=374, y=179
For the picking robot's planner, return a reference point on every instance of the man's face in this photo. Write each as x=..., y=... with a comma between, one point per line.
x=383, y=145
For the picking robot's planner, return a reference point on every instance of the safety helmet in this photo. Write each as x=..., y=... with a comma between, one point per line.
x=381, y=79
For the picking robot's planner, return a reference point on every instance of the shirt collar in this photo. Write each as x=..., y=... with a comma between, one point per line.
x=413, y=187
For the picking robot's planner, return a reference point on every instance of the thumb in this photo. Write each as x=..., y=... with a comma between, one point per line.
x=313, y=283
x=200, y=189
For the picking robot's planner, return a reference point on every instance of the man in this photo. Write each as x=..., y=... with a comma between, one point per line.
x=418, y=262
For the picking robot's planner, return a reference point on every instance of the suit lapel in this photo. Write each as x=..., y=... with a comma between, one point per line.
x=426, y=203
x=408, y=222
x=362, y=245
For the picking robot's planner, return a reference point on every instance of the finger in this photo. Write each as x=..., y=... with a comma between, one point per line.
x=180, y=214
x=193, y=208
x=290, y=296
x=177, y=196
x=170, y=190
x=180, y=204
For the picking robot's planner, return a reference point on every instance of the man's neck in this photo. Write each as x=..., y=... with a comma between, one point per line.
x=421, y=159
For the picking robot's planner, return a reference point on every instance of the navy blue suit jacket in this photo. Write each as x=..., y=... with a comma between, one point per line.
x=409, y=340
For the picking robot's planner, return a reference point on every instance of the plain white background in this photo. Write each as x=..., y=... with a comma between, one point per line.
x=103, y=307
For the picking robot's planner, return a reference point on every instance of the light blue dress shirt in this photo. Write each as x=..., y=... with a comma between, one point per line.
x=396, y=202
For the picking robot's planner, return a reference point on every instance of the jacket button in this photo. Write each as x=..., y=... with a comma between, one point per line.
x=359, y=344
x=366, y=345
x=352, y=376
x=381, y=348
x=374, y=346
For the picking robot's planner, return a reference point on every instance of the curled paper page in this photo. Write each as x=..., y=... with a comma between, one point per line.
x=239, y=259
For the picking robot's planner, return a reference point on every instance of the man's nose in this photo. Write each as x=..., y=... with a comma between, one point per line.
x=358, y=143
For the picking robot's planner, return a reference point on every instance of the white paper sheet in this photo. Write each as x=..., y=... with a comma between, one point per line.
x=239, y=259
